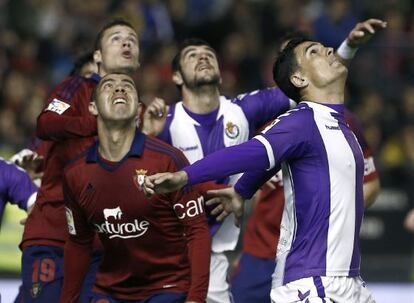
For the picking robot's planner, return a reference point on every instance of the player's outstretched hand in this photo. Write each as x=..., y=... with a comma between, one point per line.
x=154, y=117
x=363, y=31
x=162, y=183
x=30, y=161
x=229, y=202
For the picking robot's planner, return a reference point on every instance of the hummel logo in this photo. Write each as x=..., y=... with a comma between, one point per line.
x=188, y=148
x=169, y=285
x=332, y=127
x=303, y=296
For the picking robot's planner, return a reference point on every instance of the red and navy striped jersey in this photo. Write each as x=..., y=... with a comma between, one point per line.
x=152, y=245
x=69, y=129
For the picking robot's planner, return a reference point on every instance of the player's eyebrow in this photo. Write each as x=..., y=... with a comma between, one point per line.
x=129, y=81
x=106, y=81
x=192, y=48
x=309, y=46
x=118, y=32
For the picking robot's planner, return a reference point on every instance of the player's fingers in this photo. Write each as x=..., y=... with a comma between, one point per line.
x=23, y=221
x=368, y=27
x=222, y=216
x=213, y=201
x=357, y=34
x=159, y=107
x=149, y=193
x=377, y=22
x=217, y=210
x=161, y=179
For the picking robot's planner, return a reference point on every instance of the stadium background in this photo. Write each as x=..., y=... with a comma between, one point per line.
x=39, y=39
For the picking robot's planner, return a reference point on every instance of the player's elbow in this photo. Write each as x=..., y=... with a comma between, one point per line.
x=371, y=192
x=44, y=127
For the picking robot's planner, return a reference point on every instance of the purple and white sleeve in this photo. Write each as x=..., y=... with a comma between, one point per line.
x=20, y=188
x=262, y=106
x=250, y=155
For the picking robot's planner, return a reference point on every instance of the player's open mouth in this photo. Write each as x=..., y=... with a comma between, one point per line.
x=119, y=101
x=203, y=67
x=127, y=54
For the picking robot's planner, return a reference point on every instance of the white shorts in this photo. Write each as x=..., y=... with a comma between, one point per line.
x=323, y=289
x=218, y=289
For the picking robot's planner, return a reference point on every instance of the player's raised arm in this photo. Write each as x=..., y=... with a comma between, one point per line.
x=251, y=155
x=358, y=36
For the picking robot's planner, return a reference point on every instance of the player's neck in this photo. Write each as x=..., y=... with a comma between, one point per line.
x=201, y=100
x=328, y=95
x=115, y=142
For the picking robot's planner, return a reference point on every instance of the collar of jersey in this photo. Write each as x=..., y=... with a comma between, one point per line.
x=136, y=150
x=95, y=77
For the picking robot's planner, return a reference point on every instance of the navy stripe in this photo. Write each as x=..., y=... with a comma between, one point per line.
x=319, y=287
x=168, y=153
x=69, y=90
x=173, y=155
x=179, y=159
x=74, y=87
x=63, y=88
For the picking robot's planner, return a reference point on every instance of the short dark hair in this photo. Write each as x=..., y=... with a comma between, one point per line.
x=285, y=65
x=112, y=23
x=175, y=64
x=80, y=62
x=292, y=35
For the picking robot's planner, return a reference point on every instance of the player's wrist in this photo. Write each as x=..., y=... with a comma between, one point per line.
x=346, y=50
x=183, y=177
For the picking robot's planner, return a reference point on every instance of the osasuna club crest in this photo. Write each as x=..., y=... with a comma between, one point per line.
x=35, y=291
x=232, y=130
x=139, y=178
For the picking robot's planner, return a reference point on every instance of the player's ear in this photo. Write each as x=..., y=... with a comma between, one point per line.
x=177, y=78
x=92, y=108
x=298, y=80
x=97, y=56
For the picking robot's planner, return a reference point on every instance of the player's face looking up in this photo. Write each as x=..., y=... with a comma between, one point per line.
x=116, y=98
x=198, y=67
x=317, y=65
x=119, y=50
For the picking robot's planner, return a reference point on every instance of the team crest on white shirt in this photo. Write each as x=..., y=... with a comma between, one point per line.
x=232, y=130
x=139, y=178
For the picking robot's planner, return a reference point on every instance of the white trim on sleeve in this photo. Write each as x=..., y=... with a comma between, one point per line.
x=31, y=200
x=269, y=150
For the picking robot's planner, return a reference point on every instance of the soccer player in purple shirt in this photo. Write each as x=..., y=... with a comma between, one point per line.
x=318, y=252
x=16, y=187
x=204, y=122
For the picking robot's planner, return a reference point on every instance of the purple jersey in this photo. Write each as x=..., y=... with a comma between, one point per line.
x=323, y=170
x=16, y=187
x=234, y=122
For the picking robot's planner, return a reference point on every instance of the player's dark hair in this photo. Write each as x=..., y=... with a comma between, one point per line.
x=282, y=42
x=284, y=67
x=110, y=24
x=175, y=64
x=80, y=61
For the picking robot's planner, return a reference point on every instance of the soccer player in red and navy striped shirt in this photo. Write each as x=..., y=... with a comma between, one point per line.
x=69, y=129
x=156, y=250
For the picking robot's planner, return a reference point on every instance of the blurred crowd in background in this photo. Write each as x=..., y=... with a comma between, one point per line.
x=40, y=39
